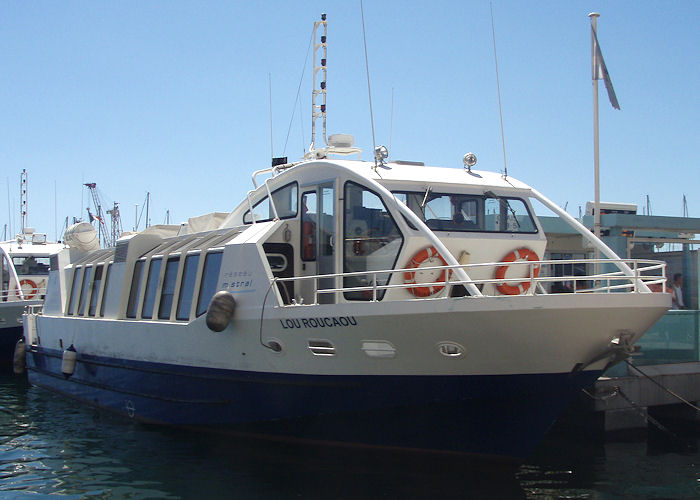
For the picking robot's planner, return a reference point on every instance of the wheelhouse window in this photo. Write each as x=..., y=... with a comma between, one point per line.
x=31, y=265
x=210, y=278
x=95, y=290
x=135, y=289
x=75, y=289
x=149, y=298
x=189, y=276
x=371, y=241
x=464, y=213
x=166, y=295
x=285, y=202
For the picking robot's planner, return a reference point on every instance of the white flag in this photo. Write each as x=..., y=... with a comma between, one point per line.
x=600, y=72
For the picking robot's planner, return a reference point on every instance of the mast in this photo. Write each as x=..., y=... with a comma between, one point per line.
x=23, y=199
x=319, y=110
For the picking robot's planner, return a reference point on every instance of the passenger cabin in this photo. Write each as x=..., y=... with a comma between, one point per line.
x=335, y=223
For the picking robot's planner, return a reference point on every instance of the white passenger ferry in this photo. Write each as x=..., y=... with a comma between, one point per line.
x=24, y=267
x=375, y=303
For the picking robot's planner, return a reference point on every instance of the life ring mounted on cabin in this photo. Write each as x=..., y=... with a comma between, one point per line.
x=522, y=287
x=427, y=254
x=27, y=284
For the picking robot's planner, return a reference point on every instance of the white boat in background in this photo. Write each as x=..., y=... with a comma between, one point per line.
x=24, y=266
x=380, y=303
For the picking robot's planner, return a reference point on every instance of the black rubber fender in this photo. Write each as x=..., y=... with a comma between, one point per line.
x=220, y=311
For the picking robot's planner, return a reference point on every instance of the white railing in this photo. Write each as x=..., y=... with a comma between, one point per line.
x=539, y=279
x=15, y=296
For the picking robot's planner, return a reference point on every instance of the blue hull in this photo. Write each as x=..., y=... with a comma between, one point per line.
x=8, y=340
x=504, y=415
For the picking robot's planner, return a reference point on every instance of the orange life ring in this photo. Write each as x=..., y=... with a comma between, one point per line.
x=519, y=254
x=428, y=253
x=31, y=284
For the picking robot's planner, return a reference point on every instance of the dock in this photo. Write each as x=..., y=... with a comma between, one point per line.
x=661, y=382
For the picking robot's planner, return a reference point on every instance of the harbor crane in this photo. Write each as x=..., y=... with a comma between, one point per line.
x=107, y=238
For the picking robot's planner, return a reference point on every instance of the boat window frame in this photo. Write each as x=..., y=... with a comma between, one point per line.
x=132, y=305
x=95, y=294
x=195, y=281
x=77, y=275
x=380, y=293
x=105, y=285
x=84, y=290
x=271, y=216
x=151, y=279
x=312, y=224
x=483, y=196
x=199, y=311
x=171, y=258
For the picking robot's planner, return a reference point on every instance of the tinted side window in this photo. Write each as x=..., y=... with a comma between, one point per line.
x=189, y=276
x=135, y=290
x=84, y=291
x=105, y=294
x=210, y=277
x=149, y=298
x=95, y=290
x=75, y=290
x=166, y=295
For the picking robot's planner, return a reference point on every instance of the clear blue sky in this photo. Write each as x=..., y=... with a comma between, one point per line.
x=172, y=97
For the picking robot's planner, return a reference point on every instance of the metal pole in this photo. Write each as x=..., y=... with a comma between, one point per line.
x=596, y=155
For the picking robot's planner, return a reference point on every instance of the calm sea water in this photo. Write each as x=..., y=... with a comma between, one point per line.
x=52, y=446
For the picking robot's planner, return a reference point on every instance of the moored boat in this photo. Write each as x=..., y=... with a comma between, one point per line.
x=378, y=303
x=24, y=265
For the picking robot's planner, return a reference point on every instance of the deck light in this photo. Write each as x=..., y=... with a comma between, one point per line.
x=469, y=161
x=381, y=153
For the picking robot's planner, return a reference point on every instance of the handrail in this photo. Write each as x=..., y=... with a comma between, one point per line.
x=13, y=296
x=587, y=235
x=614, y=281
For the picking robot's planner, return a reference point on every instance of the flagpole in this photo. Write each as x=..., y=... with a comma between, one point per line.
x=596, y=154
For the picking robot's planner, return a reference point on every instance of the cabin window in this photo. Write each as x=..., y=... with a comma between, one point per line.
x=95, y=290
x=149, y=298
x=210, y=278
x=75, y=289
x=372, y=241
x=166, y=295
x=309, y=216
x=135, y=289
x=189, y=275
x=31, y=265
x=84, y=290
x=466, y=213
x=285, y=201
x=105, y=294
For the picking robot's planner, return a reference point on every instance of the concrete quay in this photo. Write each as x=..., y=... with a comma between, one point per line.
x=630, y=402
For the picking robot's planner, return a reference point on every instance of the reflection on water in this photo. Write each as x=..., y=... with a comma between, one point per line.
x=50, y=445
